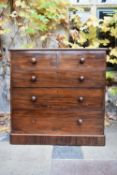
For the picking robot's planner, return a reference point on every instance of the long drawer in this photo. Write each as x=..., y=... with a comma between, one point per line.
x=57, y=98
x=62, y=60
x=57, y=78
x=58, y=122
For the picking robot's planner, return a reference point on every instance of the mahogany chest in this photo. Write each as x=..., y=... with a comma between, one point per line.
x=57, y=96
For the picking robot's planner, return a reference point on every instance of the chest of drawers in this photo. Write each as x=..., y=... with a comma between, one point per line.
x=57, y=96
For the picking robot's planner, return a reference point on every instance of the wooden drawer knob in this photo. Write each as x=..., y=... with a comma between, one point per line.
x=82, y=60
x=33, y=98
x=33, y=78
x=34, y=60
x=81, y=78
x=81, y=99
x=80, y=121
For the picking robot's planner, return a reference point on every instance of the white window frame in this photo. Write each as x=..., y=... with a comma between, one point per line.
x=94, y=5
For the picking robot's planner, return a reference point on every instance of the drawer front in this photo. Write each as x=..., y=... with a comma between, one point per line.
x=88, y=60
x=70, y=122
x=57, y=78
x=61, y=60
x=33, y=60
x=57, y=98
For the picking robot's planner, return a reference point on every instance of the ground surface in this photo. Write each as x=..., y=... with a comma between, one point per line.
x=58, y=160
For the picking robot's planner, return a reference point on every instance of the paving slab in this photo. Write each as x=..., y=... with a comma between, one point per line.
x=83, y=167
x=38, y=160
x=107, y=152
x=24, y=159
x=67, y=152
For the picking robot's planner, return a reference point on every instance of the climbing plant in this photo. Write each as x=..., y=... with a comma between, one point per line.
x=40, y=17
x=35, y=19
x=108, y=31
x=93, y=33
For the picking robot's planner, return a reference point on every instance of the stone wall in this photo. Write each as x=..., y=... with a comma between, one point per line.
x=4, y=87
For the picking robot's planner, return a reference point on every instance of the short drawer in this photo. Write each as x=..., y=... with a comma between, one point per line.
x=58, y=78
x=91, y=60
x=57, y=122
x=57, y=98
x=33, y=60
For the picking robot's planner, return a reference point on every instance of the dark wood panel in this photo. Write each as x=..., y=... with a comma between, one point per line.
x=57, y=78
x=98, y=140
x=70, y=122
x=82, y=60
x=25, y=60
x=61, y=98
x=61, y=60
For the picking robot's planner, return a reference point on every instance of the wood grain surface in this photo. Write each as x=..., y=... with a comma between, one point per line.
x=79, y=140
x=57, y=78
x=64, y=60
x=57, y=96
x=58, y=122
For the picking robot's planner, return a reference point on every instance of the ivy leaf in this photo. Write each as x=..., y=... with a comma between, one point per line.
x=109, y=75
x=105, y=29
x=43, y=38
x=104, y=42
x=75, y=46
x=23, y=14
x=42, y=28
x=113, y=91
x=114, y=52
x=82, y=39
x=112, y=57
x=48, y=4
x=113, y=32
x=20, y=3
x=2, y=5
x=113, y=61
x=30, y=31
x=42, y=18
x=51, y=15
x=39, y=16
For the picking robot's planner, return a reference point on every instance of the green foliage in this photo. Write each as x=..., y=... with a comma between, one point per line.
x=93, y=34
x=33, y=19
x=40, y=16
x=112, y=56
x=108, y=31
x=113, y=91
x=2, y=5
x=109, y=75
x=37, y=18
